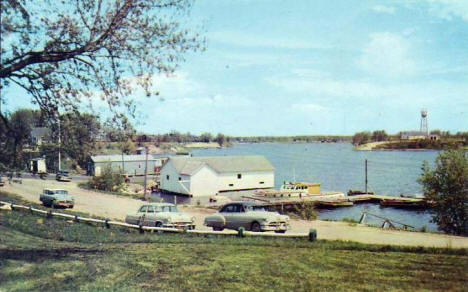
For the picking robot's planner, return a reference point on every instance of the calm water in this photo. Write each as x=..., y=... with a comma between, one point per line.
x=338, y=168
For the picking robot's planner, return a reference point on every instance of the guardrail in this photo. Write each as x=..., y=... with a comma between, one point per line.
x=311, y=236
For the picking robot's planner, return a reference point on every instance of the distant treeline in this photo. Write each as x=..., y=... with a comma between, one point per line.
x=380, y=135
x=176, y=137
x=292, y=139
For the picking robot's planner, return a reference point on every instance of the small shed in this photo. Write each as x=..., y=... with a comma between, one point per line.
x=205, y=176
x=126, y=164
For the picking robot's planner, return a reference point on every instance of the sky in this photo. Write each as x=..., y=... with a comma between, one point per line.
x=306, y=67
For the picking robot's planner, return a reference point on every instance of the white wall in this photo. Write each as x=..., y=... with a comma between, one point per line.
x=173, y=184
x=207, y=182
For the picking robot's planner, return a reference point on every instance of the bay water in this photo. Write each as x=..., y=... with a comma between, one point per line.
x=339, y=168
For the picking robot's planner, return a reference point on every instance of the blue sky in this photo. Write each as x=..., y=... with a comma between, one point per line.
x=315, y=67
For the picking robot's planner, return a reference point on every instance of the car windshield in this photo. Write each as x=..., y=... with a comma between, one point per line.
x=169, y=209
x=61, y=192
x=256, y=208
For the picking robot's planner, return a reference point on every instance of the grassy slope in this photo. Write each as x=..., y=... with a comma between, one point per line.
x=51, y=254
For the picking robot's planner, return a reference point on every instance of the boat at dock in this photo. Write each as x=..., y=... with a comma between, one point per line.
x=300, y=190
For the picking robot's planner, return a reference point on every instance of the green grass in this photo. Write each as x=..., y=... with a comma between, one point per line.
x=37, y=253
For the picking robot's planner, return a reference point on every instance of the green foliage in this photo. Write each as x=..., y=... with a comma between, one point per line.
x=206, y=137
x=378, y=136
x=15, y=137
x=127, y=147
x=361, y=138
x=220, y=139
x=447, y=187
x=108, y=181
x=306, y=210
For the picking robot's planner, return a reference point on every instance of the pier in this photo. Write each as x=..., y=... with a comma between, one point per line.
x=347, y=201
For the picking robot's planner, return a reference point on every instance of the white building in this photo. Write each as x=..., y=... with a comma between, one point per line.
x=126, y=164
x=204, y=176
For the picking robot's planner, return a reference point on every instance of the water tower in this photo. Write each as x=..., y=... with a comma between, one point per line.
x=424, y=127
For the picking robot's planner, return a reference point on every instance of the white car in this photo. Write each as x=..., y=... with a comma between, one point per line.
x=249, y=215
x=161, y=215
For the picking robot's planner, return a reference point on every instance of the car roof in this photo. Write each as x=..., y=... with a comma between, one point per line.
x=245, y=203
x=54, y=190
x=157, y=204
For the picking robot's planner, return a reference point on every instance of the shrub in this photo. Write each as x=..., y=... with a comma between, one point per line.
x=446, y=187
x=108, y=181
x=306, y=210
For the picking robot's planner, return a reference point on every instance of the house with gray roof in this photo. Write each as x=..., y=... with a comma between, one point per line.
x=204, y=176
x=39, y=135
x=126, y=164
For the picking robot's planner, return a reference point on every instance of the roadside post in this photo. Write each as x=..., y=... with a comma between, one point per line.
x=312, y=235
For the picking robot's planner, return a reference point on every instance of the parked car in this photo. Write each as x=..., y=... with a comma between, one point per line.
x=160, y=215
x=56, y=198
x=252, y=216
x=63, y=176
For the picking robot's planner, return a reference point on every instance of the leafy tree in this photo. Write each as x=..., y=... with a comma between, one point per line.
x=206, y=137
x=221, y=139
x=380, y=135
x=447, y=187
x=64, y=53
x=108, y=180
x=78, y=134
x=361, y=138
x=127, y=147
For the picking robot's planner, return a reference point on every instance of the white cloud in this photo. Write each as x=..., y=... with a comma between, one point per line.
x=447, y=9
x=384, y=9
x=387, y=54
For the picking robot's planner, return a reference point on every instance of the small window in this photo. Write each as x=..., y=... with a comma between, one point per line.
x=239, y=176
x=262, y=182
x=150, y=209
x=143, y=209
x=167, y=177
x=231, y=185
x=180, y=178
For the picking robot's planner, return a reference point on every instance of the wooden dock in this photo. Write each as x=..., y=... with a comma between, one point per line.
x=348, y=201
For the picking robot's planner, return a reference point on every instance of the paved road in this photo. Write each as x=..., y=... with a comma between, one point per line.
x=50, y=176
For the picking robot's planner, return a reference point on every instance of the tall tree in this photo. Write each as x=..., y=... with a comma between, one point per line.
x=65, y=54
x=447, y=187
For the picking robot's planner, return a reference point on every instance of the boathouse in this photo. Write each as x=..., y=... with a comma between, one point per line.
x=204, y=176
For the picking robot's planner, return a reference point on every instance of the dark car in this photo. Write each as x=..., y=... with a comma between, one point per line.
x=63, y=176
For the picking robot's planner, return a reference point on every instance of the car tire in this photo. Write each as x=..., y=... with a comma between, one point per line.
x=255, y=227
x=218, y=229
x=71, y=207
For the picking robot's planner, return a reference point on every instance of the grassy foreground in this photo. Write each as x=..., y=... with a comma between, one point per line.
x=52, y=254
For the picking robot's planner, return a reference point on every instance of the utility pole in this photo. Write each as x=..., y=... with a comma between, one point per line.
x=59, y=143
x=146, y=172
x=366, y=176
x=123, y=163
